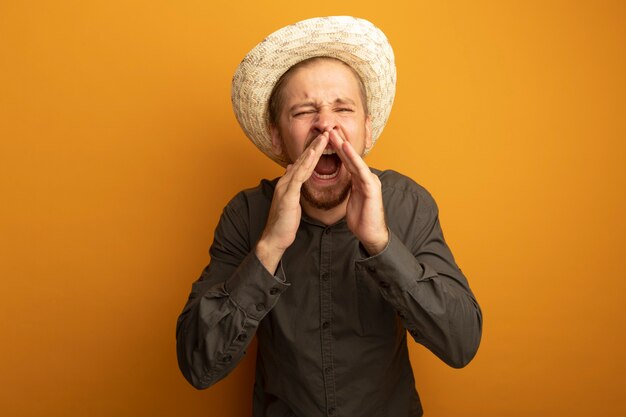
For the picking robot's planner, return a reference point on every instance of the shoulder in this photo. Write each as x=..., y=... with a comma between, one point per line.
x=410, y=209
x=247, y=211
x=398, y=189
x=254, y=198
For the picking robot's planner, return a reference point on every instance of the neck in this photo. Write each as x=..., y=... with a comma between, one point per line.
x=328, y=217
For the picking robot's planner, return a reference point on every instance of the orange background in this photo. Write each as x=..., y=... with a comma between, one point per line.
x=119, y=150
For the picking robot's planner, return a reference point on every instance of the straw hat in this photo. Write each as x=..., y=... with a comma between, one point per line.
x=354, y=41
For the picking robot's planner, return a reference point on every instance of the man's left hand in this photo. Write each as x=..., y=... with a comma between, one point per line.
x=365, y=214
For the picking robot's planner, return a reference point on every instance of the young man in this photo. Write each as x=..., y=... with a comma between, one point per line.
x=331, y=263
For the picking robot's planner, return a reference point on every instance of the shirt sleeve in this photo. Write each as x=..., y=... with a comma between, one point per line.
x=421, y=280
x=226, y=304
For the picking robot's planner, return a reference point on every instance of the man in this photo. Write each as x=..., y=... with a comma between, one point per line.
x=330, y=264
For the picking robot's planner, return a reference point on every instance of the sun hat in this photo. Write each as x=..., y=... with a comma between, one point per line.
x=357, y=42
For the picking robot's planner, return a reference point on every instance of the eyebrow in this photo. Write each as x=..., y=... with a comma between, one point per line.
x=340, y=100
x=345, y=101
x=304, y=104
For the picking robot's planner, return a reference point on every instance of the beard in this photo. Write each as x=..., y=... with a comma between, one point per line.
x=328, y=198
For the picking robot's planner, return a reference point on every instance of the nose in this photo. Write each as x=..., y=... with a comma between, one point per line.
x=325, y=120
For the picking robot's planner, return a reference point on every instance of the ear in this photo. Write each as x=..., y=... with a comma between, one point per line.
x=277, y=141
x=368, y=132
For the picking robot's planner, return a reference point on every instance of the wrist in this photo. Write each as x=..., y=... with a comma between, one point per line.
x=373, y=248
x=269, y=255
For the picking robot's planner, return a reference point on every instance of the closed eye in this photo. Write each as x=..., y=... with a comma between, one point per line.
x=303, y=113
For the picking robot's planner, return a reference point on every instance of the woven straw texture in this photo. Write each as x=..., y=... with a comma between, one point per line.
x=355, y=41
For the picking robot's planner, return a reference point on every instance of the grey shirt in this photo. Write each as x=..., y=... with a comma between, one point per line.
x=331, y=325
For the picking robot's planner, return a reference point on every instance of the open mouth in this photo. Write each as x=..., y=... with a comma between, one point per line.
x=328, y=166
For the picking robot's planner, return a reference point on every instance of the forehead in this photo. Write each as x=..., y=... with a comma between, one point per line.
x=322, y=77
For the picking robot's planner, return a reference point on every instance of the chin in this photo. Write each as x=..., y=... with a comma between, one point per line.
x=326, y=199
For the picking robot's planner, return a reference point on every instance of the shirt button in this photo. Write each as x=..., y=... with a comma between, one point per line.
x=331, y=411
x=327, y=370
x=325, y=325
x=227, y=358
x=274, y=291
x=260, y=307
x=242, y=337
x=325, y=276
x=327, y=231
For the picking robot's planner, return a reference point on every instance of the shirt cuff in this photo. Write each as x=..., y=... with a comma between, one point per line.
x=254, y=289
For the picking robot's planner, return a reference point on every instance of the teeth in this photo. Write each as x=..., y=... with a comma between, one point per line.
x=329, y=151
x=326, y=176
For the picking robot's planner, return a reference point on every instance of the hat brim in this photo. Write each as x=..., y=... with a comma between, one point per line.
x=354, y=41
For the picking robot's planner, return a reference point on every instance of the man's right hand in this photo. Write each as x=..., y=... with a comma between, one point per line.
x=285, y=212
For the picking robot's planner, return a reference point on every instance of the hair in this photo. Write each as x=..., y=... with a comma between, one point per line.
x=276, y=98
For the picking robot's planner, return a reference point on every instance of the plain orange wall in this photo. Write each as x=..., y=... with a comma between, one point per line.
x=119, y=149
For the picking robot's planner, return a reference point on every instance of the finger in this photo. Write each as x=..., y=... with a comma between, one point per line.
x=284, y=180
x=303, y=161
x=301, y=174
x=337, y=142
x=309, y=159
x=305, y=153
x=350, y=157
x=312, y=155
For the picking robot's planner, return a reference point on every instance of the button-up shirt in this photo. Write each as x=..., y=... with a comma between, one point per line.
x=332, y=322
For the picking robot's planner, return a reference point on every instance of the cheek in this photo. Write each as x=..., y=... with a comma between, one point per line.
x=294, y=139
x=356, y=133
x=353, y=128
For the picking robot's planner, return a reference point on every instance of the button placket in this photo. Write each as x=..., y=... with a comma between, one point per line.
x=326, y=318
